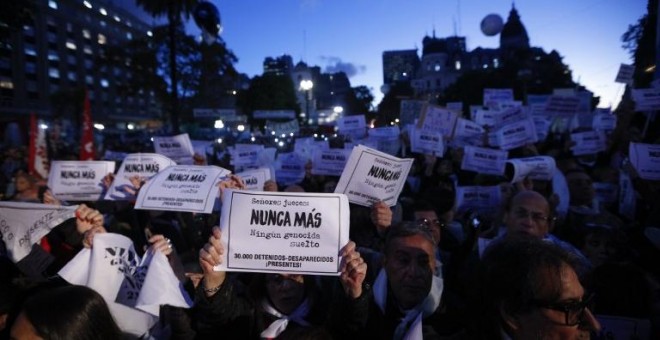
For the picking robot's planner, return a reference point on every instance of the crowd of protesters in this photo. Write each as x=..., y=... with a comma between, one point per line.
x=423, y=268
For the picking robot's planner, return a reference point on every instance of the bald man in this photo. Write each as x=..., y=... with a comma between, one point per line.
x=529, y=214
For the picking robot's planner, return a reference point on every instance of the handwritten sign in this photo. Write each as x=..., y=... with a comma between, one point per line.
x=330, y=162
x=24, y=224
x=78, y=180
x=371, y=176
x=645, y=158
x=296, y=232
x=143, y=165
x=190, y=188
x=256, y=178
x=484, y=160
x=177, y=148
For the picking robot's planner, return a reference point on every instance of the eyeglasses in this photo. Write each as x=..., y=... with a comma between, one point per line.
x=536, y=216
x=574, y=311
x=429, y=223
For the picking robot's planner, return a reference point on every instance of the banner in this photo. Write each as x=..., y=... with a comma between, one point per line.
x=78, y=180
x=144, y=165
x=255, y=179
x=537, y=167
x=588, y=142
x=330, y=162
x=24, y=224
x=484, y=160
x=38, y=150
x=645, y=158
x=190, y=188
x=296, y=232
x=133, y=288
x=87, y=138
x=371, y=176
x=177, y=148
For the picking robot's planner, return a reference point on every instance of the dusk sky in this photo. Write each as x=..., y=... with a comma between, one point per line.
x=351, y=35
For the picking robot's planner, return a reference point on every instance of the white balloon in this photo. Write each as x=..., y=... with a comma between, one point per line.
x=492, y=24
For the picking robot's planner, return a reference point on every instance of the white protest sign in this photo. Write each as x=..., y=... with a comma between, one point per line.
x=438, y=119
x=625, y=74
x=371, y=176
x=24, y=224
x=290, y=168
x=565, y=106
x=581, y=121
x=604, y=122
x=190, y=188
x=296, y=232
x=178, y=148
x=133, y=288
x=78, y=180
x=516, y=134
x=246, y=154
x=385, y=139
x=426, y=142
x=256, y=178
x=329, y=162
x=646, y=99
x=606, y=192
x=143, y=165
x=493, y=97
x=467, y=128
x=645, y=158
x=542, y=127
x=482, y=198
x=619, y=327
x=537, y=167
x=511, y=115
x=588, y=142
x=351, y=123
x=484, y=160
x=485, y=117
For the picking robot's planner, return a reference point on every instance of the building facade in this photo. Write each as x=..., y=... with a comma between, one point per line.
x=57, y=53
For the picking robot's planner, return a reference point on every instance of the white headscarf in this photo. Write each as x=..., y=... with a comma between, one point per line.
x=414, y=315
x=278, y=326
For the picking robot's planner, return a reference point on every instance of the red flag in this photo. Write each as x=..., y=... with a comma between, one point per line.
x=87, y=139
x=38, y=152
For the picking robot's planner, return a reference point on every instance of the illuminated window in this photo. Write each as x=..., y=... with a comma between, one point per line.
x=53, y=72
x=72, y=76
x=52, y=4
x=117, y=19
x=458, y=64
x=103, y=11
x=29, y=50
x=150, y=34
x=104, y=83
x=70, y=45
x=87, y=4
x=89, y=80
x=436, y=67
x=129, y=36
x=101, y=39
x=86, y=34
x=6, y=83
x=496, y=63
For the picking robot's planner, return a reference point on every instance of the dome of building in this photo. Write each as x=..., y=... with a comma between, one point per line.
x=514, y=34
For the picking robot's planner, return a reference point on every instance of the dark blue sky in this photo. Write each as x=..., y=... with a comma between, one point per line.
x=350, y=35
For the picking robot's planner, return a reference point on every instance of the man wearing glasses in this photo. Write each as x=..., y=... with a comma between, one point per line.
x=531, y=290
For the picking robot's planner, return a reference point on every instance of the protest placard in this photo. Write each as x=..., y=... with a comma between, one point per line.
x=625, y=74
x=78, y=180
x=646, y=99
x=604, y=122
x=143, y=165
x=410, y=111
x=645, y=158
x=485, y=117
x=565, y=106
x=245, y=155
x=24, y=224
x=493, y=97
x=467, y=128
x=516, y=134
x=588, y=142
x=426, y=142
x=371, y=176
x=329, y=162
x=484, y=160
x=542, y=127
x=351, y=122
x=256, y=178
x=537, y=167
x=481, y=198
x=290, y=168
x=385, y=139
x=296, y=232
x=177, y=148
x=438, y=119
x=190, y=188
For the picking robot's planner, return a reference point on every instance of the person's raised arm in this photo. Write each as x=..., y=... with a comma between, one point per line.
x=209, y=256
x=353, y=270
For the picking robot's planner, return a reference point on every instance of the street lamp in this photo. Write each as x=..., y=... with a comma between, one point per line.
x=306, y=85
